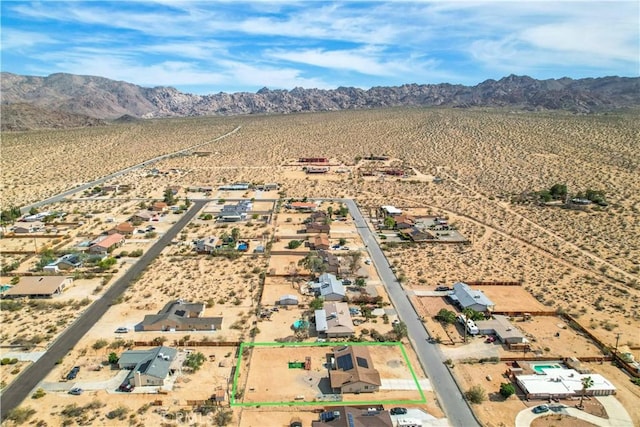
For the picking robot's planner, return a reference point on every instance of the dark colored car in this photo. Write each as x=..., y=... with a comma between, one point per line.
x=295, y=424
x=540, y=409
x=73, y=373
x=126, y=388
x=443, y=288
x=398, y=411
x=346, y=282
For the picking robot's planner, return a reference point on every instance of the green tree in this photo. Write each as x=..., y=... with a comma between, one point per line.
x=312, y=262
x=113, y=358
x=587, y=383
x=360, y=282
x=476, y=394
x=389, y=222
x=558, y=191
x=330, y=211
x=235, y=234
x=507, y=389
x=294, y=244
x=33, y=211
x=187, y=202
x=342, y=241
x=194, y=361
x=446, y=316
x=400, y=330
x=9, y=215
x=316, y=304
x=169, y=197
x=343, y=210
x=106, y=263
x=354, y=262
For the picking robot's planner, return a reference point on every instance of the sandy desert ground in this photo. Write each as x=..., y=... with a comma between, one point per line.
x=585, y=262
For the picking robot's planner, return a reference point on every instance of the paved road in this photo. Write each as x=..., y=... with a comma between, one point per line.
x=453, y=403
x=99, y=181
x=19, y=389
x=618, y=415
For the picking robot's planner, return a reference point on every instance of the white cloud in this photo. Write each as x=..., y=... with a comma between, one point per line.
x=18, y=39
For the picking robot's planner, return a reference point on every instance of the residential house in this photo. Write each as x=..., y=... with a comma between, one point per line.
x=320, y=241
x=38, y=287
x=159, y=207
x=404, y=221
x=416, y=235
x=142, y=216
x=270, y=186
x=388, y=210
x=317, y=227
x=329, y=287
x=179, y=315
x=465, y=297
x=334, y=320
x=502, y=328
x=65, y=262
x=107, y=244
x=206, y=245
x=352, y=370
x=124, y=228
x=235, y=212
x=317, y=216
x=349, y=416
x=28, y=227
x=313, y=160
x=316, y=169
x=288, y=299
x=149, y=367
x=331, y=263
x=238, y=186
x=562, y=383
x=303, y=206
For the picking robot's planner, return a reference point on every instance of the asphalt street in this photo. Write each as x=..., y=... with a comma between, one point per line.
x=451, y=400
x=19, y=389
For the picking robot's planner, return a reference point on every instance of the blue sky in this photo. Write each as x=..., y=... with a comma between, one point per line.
x=230, y=46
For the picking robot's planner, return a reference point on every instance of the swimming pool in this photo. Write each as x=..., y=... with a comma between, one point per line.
x=300, y=324
x=541, y=368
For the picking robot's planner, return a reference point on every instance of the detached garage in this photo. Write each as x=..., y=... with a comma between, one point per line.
x=288, y=300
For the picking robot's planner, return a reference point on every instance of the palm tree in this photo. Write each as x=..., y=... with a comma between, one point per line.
x=587, y=382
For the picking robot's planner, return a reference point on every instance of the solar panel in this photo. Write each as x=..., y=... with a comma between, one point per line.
x=345, y=362
x=362, y=362
x=350, y=420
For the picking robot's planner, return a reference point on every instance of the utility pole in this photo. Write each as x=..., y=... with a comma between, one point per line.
x=617, y=339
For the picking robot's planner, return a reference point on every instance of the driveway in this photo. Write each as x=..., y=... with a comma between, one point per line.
x=400, y=384
x=618, y=415
x=111, y=383
x=475, y=348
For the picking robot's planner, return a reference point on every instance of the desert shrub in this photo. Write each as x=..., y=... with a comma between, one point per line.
x=293, y=244
x=507, y=389
x=446, y=316
x=39, y=393
x=476, y=395
x=120, y=413
x=20, y=415
x=101, y=343
x=136, y=254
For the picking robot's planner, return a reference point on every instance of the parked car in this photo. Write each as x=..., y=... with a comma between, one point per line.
x=73, y=373
x=398, y=411
x=335, y=247
x=122, y=330
x=347, y=282
x=490, y=339
x=443, y=288
x=345, y=248
x=367, y=261
x=540, y=409
x=76, y=391
x=128, y=388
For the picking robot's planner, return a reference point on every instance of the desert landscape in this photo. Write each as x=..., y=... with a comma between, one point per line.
x=479, y=169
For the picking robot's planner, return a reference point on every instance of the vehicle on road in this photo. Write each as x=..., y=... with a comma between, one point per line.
x=398, y=411
x=540, y=409
x=73, y=373
x=122, y=330
x=76, y=391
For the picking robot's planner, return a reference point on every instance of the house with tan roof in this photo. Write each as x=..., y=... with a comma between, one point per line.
x=320, y=241
x=353, y=416
x=106, y=245
x=124, y=228
x=28, y=227
x=142, y=216
x=159, y=207
x=303, y=206
x=334, y=320
x=352, y=370
x=38, y=287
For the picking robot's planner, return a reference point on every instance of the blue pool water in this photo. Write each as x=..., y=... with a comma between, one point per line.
x=540, y=368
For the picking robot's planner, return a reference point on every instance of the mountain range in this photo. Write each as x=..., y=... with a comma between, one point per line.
x=71, y=100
